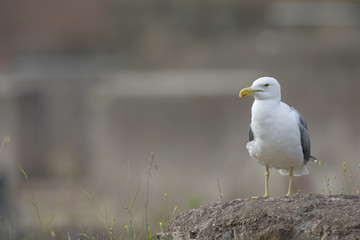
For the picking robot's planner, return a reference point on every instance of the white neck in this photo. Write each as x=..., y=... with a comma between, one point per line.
x=262, y=110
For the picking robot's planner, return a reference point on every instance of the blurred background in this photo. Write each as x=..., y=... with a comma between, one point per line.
x=88, y=89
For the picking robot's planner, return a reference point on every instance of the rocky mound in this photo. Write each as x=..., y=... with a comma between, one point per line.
x=296, y=217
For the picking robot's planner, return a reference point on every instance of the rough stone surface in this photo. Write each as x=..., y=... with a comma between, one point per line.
x=296, y=217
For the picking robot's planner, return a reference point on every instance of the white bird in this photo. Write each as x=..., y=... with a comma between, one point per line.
x=278, y=135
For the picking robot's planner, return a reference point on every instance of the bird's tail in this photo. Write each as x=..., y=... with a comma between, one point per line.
x=312, y=159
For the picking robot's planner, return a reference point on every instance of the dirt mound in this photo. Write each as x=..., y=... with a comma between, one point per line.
x=296, y=217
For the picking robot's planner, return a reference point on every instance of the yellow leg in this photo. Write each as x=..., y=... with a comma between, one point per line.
x=291, y=174
x=267, y=175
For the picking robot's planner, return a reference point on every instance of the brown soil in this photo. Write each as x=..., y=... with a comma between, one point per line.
x=296, y=217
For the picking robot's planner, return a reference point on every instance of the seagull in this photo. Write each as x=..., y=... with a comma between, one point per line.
x=278, y=135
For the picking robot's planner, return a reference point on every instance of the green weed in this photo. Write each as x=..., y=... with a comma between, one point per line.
x=147, y=225
x=166, y=219
x=347, y=181
x=132, y=227
x=109, y=225
x=43, y=226
x=327, y=179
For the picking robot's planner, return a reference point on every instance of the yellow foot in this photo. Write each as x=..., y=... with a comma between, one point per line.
x=288, y=194
x=257, y=197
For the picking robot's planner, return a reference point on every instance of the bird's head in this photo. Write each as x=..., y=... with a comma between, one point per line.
x=263, y=88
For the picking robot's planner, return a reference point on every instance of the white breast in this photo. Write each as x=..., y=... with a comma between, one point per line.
x=276, y=137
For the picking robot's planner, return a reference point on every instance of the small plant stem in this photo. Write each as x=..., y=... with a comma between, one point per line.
x=131, y=202
x=147, y=195
x=220, y=193
x=102, y=214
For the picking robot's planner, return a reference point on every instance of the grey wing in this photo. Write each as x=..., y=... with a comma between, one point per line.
x=304, y=138
x=251, y=134
x=305, y=142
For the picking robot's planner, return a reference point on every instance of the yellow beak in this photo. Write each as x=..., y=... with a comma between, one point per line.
x=248, y=91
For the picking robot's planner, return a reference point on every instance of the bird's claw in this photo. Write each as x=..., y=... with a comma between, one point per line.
x=257, y=197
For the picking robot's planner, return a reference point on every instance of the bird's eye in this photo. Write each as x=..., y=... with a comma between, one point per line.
x=266, y=85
